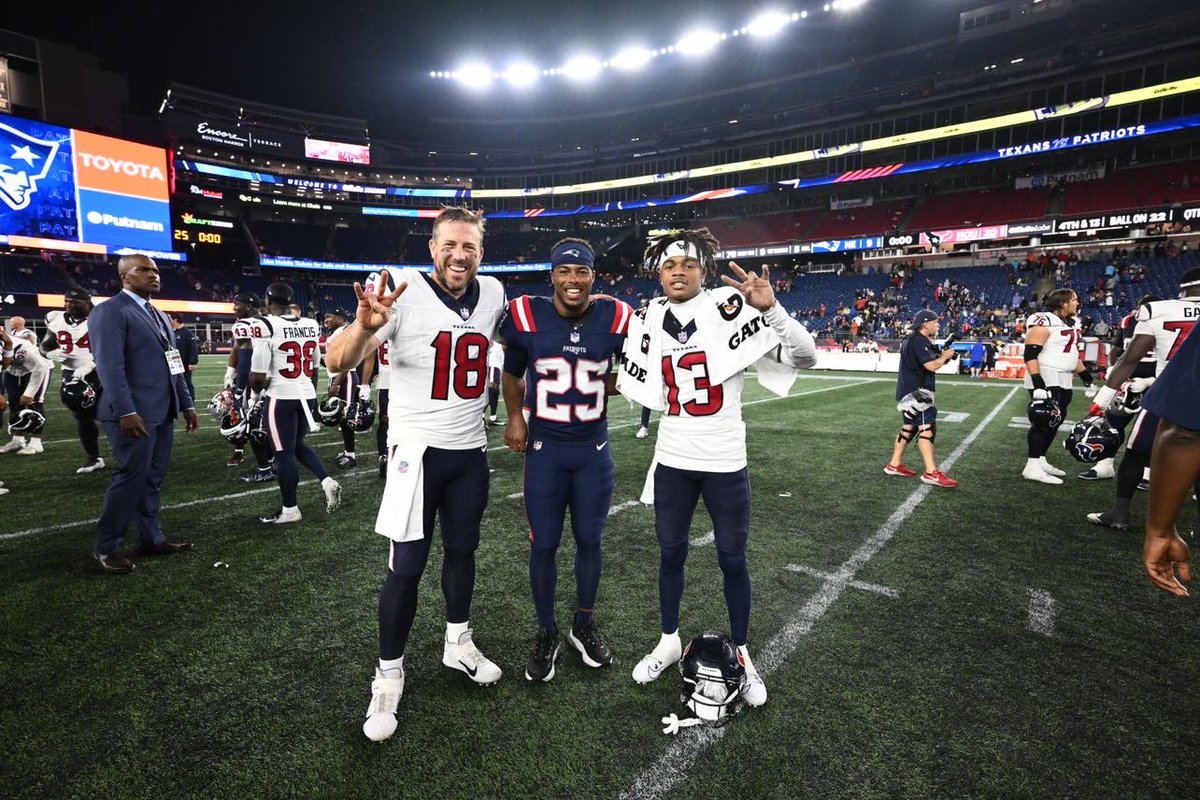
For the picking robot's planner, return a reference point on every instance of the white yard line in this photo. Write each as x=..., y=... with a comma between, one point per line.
x=700, y=541
x=676, y=763
x=1041, y=612
x=874, y=588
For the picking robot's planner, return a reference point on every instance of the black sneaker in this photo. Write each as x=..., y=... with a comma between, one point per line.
x=259, y=476
x=382, y=467
x=1109, y=520
x=541, y=661
x=345, y=460
x=587, y=640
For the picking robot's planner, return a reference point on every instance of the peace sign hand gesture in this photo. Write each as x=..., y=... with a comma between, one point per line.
x=756, y=288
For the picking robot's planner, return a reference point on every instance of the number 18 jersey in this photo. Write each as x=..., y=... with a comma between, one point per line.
x=438, y=348
x=285, y=349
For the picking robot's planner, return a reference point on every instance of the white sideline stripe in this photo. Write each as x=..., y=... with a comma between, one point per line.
x=681, y=754
x=700, y=541
x=627, y=504
x=1041, y=612
x=829, y=576
x=514, y=495
x=62, y=526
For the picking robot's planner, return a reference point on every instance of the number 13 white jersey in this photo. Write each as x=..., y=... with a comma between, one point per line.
x=438, y=351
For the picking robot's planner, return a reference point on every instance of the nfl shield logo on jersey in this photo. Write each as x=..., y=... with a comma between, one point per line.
x=537, y=445
x=575, y=337
x=682, y=336
x=403, y=466
x=465, y=313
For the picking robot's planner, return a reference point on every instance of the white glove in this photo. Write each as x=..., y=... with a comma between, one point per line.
x=1140, y=384
x=1092, y=390
x=364, y=391
x=1041, y=394
x=1103, y=397
x=230, y=375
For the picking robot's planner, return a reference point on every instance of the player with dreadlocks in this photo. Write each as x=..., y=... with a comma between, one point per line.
x=686, y=356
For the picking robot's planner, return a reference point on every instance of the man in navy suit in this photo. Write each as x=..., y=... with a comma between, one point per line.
x=144, y=390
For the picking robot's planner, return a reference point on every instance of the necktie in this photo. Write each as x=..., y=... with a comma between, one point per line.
x=158, y=326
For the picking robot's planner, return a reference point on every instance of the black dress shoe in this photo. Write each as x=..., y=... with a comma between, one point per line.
x=113, y=563
x=164, y=549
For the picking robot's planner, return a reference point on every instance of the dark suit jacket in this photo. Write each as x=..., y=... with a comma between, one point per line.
x=189, y=347
x=129, y=358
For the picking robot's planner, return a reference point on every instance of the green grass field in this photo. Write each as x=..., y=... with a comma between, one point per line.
x=983, y=642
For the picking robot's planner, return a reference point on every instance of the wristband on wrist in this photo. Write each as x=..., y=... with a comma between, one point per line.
x=1038, y=381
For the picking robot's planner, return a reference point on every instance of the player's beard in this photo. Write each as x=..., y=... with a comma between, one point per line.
x=456, y=282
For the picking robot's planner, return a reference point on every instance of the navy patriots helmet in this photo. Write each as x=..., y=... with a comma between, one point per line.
x=360, y=416
x=711, y=674
x=78, y=395
x=1044, y=414
x=330, y=410
x=24, y=161
x=1093, y=439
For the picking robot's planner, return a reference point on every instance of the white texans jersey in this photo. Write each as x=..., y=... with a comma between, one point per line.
x=285, y=349
x=24, y=334
x=383, y=368
x=701, y=427
x=1169, y=322
x=74, y=346
x=27, y=360
x=1060, y=353
x=328, y=341
x=438, y=352
x=244, y=328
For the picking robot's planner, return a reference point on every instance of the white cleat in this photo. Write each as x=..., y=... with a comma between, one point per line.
x=1050, y=469
x=465, y=657
x=91, y=466
x=18, y=443
x=642, y=432
x=31, y=449
x=667, y=652
x=281, y=517
x=1034, y=472
x=386, y=690
x=333, y=494
x=753, y=688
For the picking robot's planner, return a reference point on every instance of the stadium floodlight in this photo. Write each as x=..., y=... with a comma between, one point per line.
x=581, y=68
x=697, y=42
x=768, y=24
x=632, y=58
x=473, y=75
x=521, y=74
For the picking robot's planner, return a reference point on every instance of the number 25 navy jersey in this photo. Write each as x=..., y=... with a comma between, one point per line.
x=565, y=363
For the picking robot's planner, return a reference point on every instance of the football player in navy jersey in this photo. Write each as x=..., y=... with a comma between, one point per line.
x=1175, y=463
x=559, y=354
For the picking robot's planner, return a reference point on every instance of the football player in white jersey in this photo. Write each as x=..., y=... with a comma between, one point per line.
x=380, y=368
x=67, y=341
x=1052, y=340
x=281, y=371
x=693, y=347
x=237, y=380
x=13, y=383
x=438, y=327
x=1162, y=326
x=24, y=364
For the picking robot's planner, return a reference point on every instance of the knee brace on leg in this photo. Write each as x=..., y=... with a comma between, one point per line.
x=929, y=432
x=905, y=435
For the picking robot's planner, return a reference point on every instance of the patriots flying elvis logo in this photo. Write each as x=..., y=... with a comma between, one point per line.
x=23, y=162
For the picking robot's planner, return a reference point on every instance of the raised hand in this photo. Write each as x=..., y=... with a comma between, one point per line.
x=755, y=288
x=373, y=311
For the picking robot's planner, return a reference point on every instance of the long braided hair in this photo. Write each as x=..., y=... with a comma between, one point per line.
x=701, y=238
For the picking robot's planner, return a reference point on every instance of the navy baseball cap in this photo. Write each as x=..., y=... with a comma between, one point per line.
x=78, y=293
x=341, y=312
x=248, y=299
x=921, y=318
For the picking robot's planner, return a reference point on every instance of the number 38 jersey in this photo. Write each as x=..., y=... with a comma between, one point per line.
x=1060, y=353
x=565, y=363
x=1169, y=322
x=74, y=346
x=438, y=348
x=285, y=349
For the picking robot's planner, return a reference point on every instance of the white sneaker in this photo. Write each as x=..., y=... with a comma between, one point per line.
x=3, y=491
x=1050, y=469
x=643, y=432
x=91, y=466
x=16, y=444
x=667, y=652
x=333, y=494
x=1034, y=472
x=281, y=517
x=464, y=656
x=753, y=688
x=386, y=690
x=32, y=449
